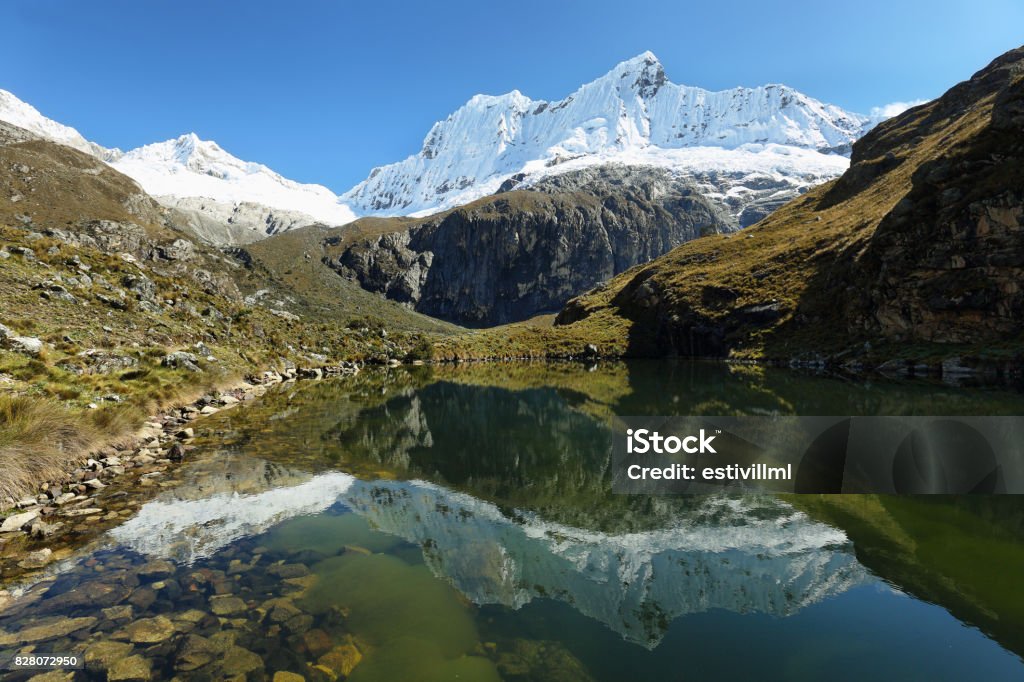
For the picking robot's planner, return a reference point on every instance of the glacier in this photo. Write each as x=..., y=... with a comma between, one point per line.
x=633, y=115
x=26, y=116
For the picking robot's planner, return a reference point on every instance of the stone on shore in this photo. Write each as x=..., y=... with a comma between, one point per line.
x=16, y=521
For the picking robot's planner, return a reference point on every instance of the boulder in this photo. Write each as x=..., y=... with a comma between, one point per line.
x=140, y=285
x=181, y=360
x=16, y=521
x=179, y=249
x=28, y=345
x=285, y=315
x=176, y=453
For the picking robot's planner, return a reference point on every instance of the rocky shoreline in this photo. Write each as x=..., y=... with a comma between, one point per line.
x=95, y=494
x=954, y=369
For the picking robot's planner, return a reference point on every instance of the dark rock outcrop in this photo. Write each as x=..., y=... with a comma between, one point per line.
x=524, y=252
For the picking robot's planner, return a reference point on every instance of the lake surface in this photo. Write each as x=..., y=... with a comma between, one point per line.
x=458, y=523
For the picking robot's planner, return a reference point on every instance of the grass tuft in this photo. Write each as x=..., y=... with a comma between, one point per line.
x=39, y=439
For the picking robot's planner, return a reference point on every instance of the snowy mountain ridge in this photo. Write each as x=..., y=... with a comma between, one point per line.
x=24, y=115
x=633, y=114
x=750, y=149
x=190, y=167
x=247, y=200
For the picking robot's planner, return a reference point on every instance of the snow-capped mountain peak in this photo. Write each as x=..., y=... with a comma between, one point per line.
x=206, y=157
x=633, y=114
x=247, y=200
x=190, y=167
x=24, y=115
x=642, y=75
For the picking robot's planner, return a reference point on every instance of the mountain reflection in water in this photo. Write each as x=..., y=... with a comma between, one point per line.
x=740, y=554
x=395, y=485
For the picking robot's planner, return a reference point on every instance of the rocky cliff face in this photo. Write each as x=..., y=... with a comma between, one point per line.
x=519, y=253
x=946, y=264
x=919, y=241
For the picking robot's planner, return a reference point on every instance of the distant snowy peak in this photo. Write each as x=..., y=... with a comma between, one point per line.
x=24, y=115
x=200, y=177
x=631, y=108
x=188, y=167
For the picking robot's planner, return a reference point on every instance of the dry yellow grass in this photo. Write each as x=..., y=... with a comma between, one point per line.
x=39, y=439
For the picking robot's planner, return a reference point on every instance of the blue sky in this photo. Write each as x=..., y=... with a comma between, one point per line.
x=323, y=91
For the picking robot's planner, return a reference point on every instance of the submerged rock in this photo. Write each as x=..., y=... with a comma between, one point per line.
x=122, y=612
x=239, y=661
x=285, y=676
x=102, y=655
x=51, y=629
x=157, y=569
x=150, y=630
x=37, y=559
x=342, y=659
x=133, y=668
x=288, y=570
x=195, y=652
x=227, y=605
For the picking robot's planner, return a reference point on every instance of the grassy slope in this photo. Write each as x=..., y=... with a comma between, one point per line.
x=46, y=187
x=52, y=393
